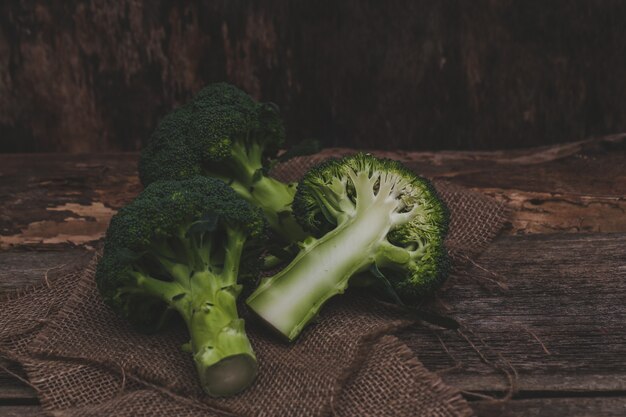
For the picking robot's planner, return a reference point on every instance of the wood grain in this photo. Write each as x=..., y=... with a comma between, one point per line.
x=413, y=74
x=12, y=390
x=557, y=407
x=55, y=198
x=559, y=322
x=24, y=268
x=21, y=411
x=565, y=291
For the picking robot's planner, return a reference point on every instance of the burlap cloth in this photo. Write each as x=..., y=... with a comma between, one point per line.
x=84, y=361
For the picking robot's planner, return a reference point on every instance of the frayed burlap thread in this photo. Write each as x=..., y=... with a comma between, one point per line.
x=85, y=361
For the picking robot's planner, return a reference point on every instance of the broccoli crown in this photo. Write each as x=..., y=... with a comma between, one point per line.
x=178, y=247
x=225, y=134
x=369, y=215
x=174, y=222
x=166, y=208
x=218, y=131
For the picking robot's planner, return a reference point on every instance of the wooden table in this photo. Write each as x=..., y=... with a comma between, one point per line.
x=546, y=300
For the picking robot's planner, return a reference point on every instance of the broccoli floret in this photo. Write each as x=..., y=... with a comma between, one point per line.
x=185, y=247
x=368, y=214
x=223, y=133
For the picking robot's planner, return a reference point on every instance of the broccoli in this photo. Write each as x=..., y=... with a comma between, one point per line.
x=368, y=214
x=178, y=248
x=223, y=133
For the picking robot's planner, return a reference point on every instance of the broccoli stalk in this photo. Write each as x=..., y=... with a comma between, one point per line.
x=245, y=174
x=178, y=247
x=206, y=299
x=381, y=216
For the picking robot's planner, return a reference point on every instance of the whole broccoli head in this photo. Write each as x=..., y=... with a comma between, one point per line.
x=370, y=215
x=180, y=247
x=223, y=133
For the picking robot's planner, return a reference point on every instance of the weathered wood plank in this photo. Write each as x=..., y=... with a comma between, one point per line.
x=565, y=290
x=54, y=199
x=559, y=322
x=577, y=187
x=23, y=268
x=11, y=388
x=552, y=212
x=570, y=407
x=21, y=411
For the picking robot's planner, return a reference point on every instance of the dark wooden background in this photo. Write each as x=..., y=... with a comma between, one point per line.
x=88, y=76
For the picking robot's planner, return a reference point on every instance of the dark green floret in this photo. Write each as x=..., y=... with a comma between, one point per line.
x=366, y=215
x=186, y=247
x=223, y=133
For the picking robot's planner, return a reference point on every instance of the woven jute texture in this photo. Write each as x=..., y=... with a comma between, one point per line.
x=85, y=361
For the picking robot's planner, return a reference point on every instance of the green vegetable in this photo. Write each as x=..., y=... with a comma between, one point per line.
x=223, y=133
x=184, y=247
x=369, y=215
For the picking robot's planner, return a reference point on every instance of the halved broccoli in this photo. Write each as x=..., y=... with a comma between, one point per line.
x=178, y=247
x=223, y=133
x=371, y=214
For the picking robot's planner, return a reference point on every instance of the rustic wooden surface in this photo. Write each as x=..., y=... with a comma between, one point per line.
x=545, y=301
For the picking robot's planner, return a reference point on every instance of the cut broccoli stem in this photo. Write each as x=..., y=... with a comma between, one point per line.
x=221, y=350
x=207, y=301
x=290, y=299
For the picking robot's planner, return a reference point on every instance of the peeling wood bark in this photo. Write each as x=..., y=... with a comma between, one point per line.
x=534, y=212
x=58, y=198
x=82, y=224
x=573, y=187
